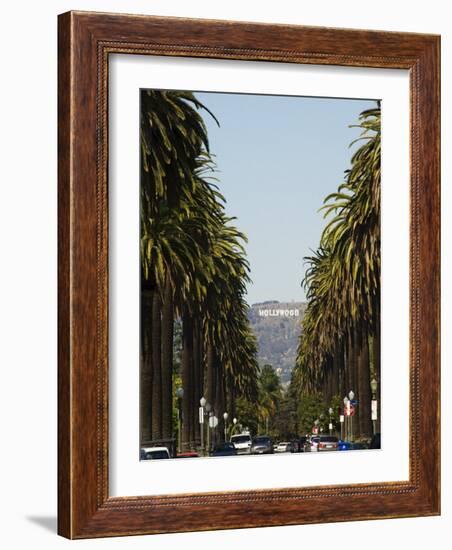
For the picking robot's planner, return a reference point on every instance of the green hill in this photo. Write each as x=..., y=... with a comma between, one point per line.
x=277, y=326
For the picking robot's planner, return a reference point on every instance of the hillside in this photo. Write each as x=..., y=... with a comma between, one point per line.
x=277, y=328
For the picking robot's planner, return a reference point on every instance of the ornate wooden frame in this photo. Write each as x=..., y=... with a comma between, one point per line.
x=85, y=42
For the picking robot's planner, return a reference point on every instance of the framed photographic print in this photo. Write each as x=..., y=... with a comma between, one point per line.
x=248, y=275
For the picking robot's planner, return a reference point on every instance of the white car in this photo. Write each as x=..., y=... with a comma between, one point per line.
x=154, y=453
x=283, y=447
x=242, y=442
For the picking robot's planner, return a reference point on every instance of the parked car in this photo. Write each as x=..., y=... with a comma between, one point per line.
x=298, y=445
x=359, y=446
x=348, y=446
x=262, y=445
x=224, y=449
x=283, y=447
x=188, y=454
x=375, y=442
x=327, y=443
x=154, y=453
x=344, y=445
x=242, y=442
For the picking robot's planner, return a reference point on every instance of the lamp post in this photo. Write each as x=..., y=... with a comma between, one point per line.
x=346, y=416
x=330, y=425
x=316, y=424
x=213, y=423
x=209, y=412
x=351, y=396
x=179, y=395
x=225, y=416
x=374, y=407
x=202, y=402
x=322, y=423
x=234, y=425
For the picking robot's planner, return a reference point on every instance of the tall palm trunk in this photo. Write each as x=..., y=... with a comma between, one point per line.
x=232, y=397
x=324, y=386
x=328, y=384
x=352, y=372
x=146, y=369
x=219, y=402
x=156, y=366
x=187, y=380
x=167, y=361
x=330, y=378
x=364, y=389
x=342, y=383
x=349, y=379
x=197, y=375
x=210, y=374
x=377, y=369
x=356, y=384
x=335, y=372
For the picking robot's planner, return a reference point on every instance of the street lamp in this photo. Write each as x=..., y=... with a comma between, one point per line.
x=213, y=423
x=322, y=420
x=351, y=396
x=234, y=422
x=179, y=395
x=225, y=416
x=316, y=424
x=330, y=425
x=346, y=416
x=208, y=407
x=374, y=407
x=203, y=403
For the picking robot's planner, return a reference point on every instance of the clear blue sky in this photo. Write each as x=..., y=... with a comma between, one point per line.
x=278, y=157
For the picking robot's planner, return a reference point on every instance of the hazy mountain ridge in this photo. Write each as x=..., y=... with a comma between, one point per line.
x=277, y=326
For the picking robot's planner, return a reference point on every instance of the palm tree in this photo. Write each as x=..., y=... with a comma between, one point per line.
x=193, y=267
x=343, y=282
x=230, y=346
x=270, y=393
x=173, y=142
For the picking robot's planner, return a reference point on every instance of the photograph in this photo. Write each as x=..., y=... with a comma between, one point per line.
x=225, y=233
x=260, y=274
x=248, y=273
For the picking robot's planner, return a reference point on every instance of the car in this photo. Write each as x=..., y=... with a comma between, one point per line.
x=261, y=445
x=224, y=449
x=344, y=445
x=375, y=442
x=298, y=445
x=327, y=443
x=359, y=446
x=242, y=443
x=348, y=446
x=283, y=447
x=188, y=454
x=154, y=453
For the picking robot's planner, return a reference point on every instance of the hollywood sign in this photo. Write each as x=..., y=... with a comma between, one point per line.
x=279, y=312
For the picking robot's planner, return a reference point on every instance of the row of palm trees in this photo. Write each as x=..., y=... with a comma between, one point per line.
x=339, y=347
x=193, y=269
